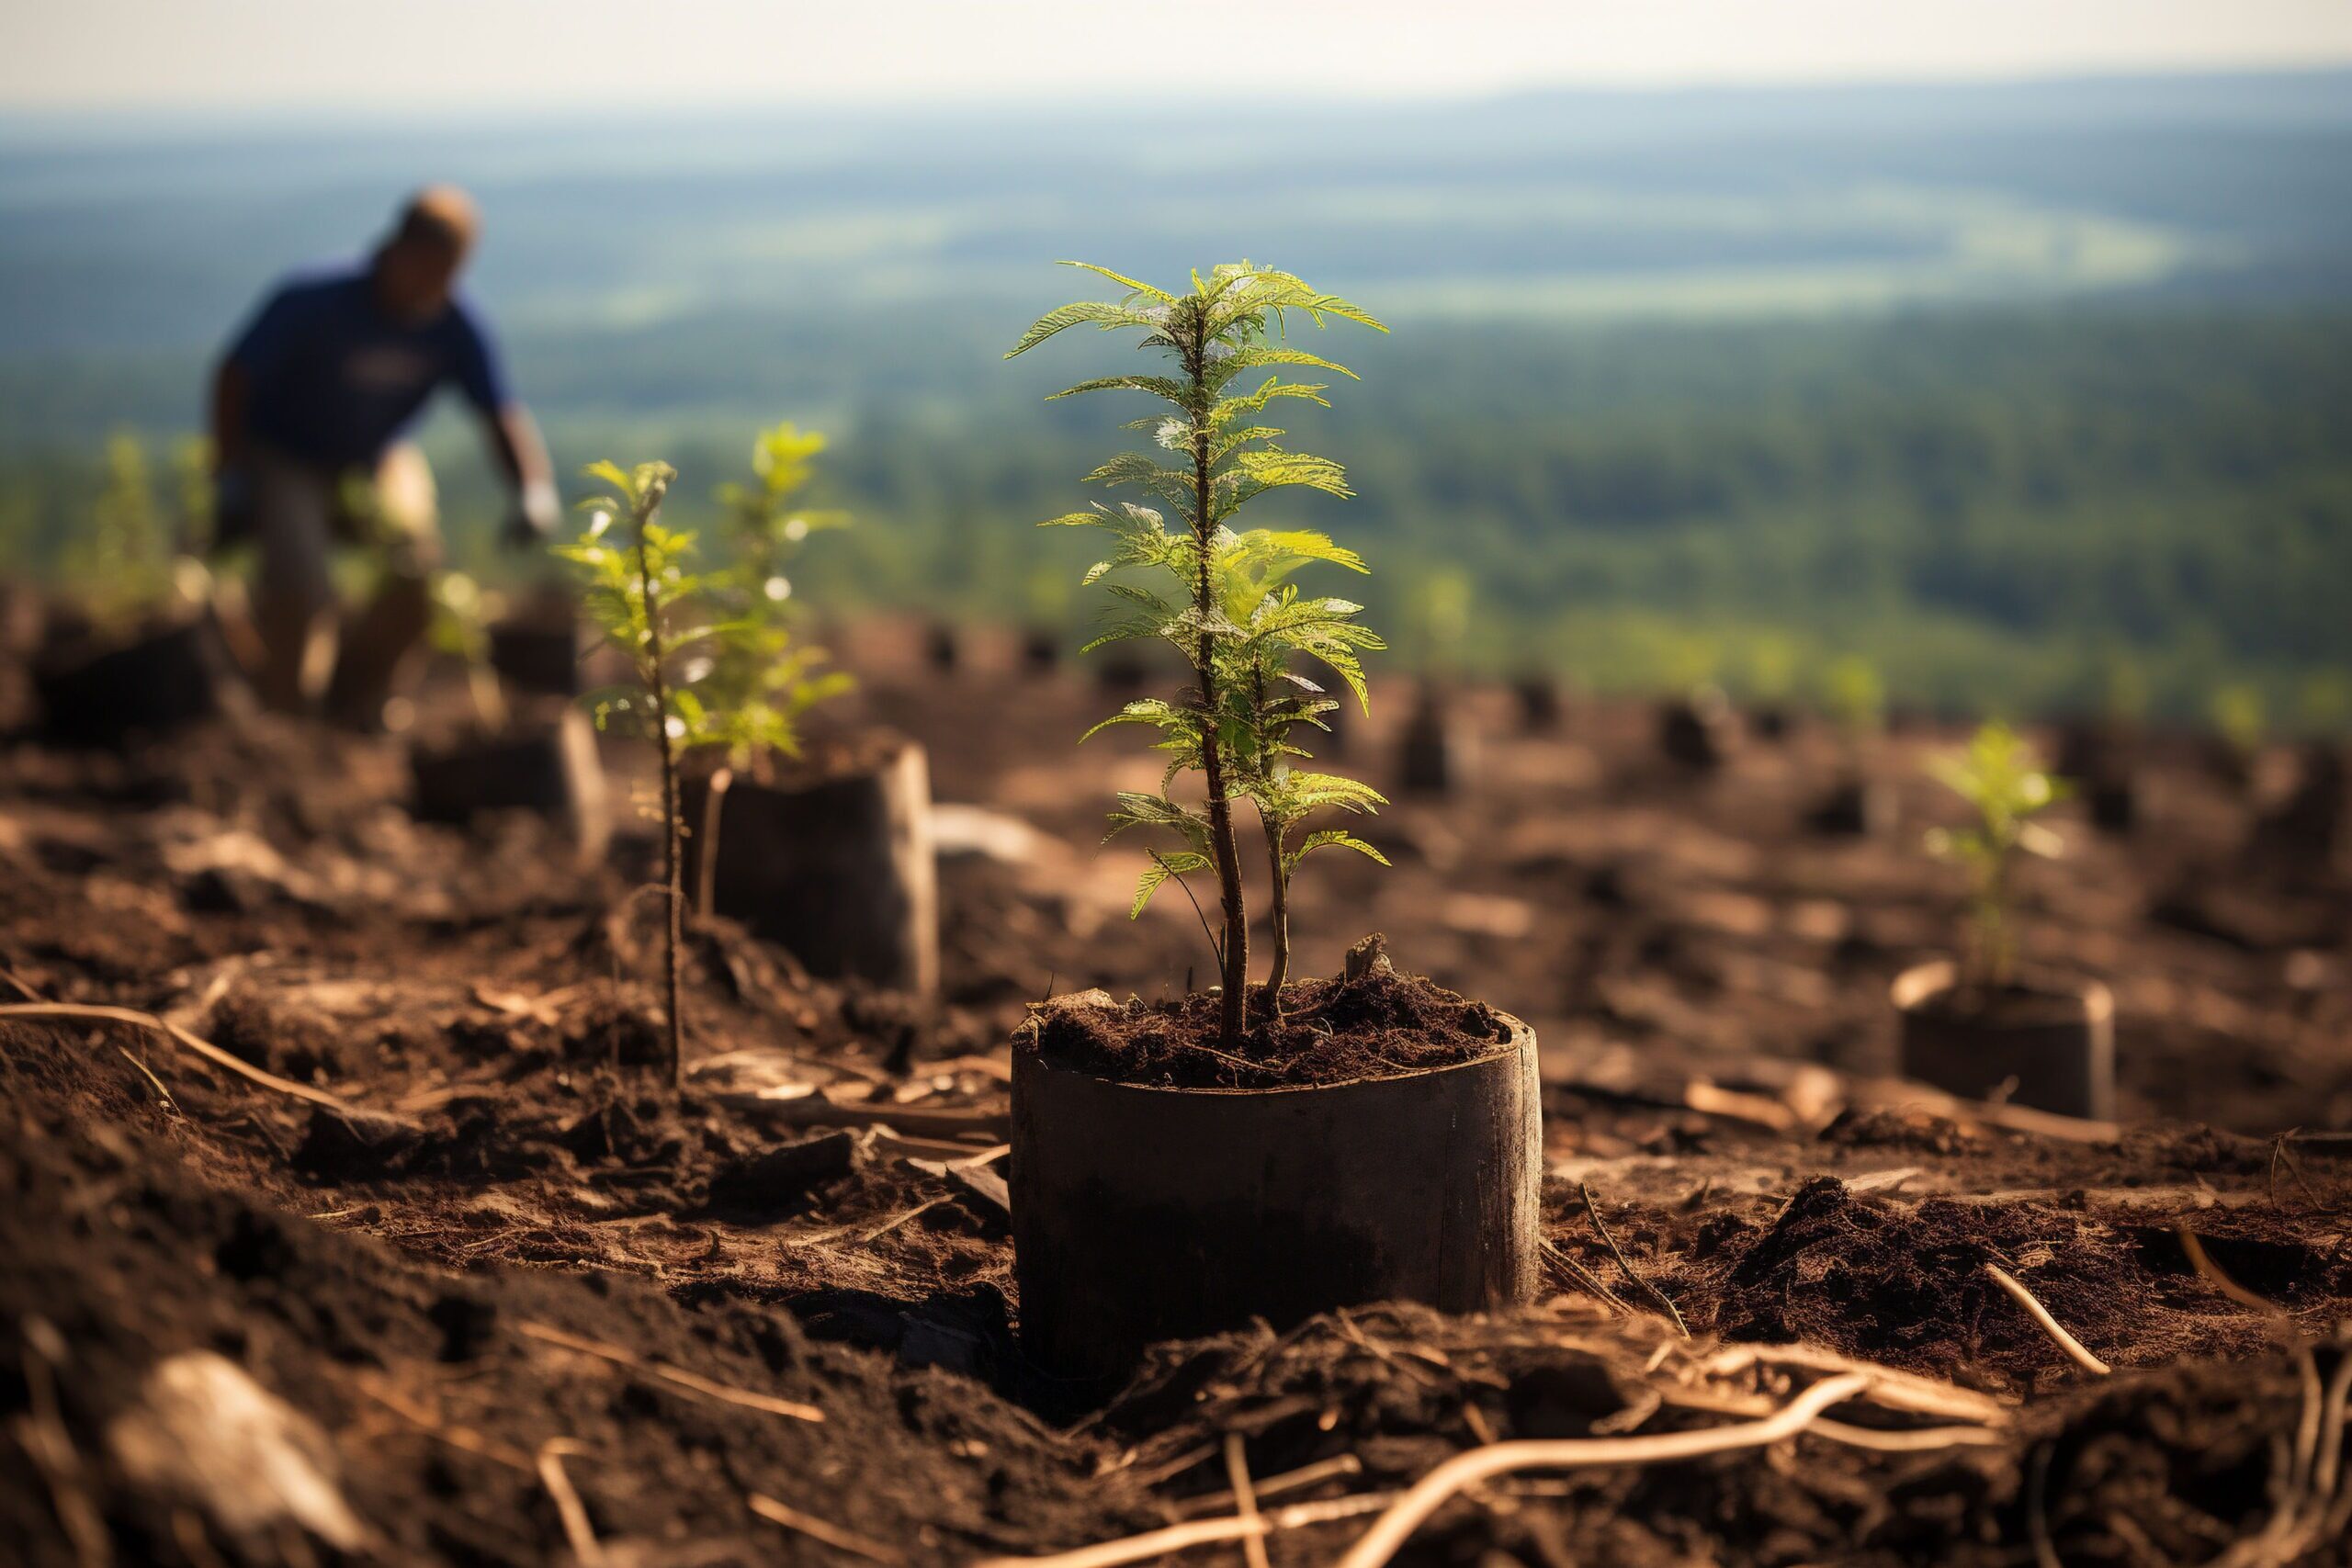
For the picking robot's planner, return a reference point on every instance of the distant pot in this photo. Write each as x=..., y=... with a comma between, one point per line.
x=1122, y=674
x=1539, y=703
x=831, y=861
x=1144, y=1214
x=1041, y=651
x=546, y=765
x=2046, y=1044
x=96, y=691
x=1698, y=733
x=943, y=646
x=1856, y=807
x=2311, y=829
x=538, y=650
x=1436, y=755
x=2114, y=802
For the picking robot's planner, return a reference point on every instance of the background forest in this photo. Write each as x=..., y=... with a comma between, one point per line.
x=2038, y=396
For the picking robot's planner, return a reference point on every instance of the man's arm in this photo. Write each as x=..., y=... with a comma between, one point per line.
x=523, y=455
x=514, y=434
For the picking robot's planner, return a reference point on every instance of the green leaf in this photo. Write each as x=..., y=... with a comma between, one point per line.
x=1085, y=312
x=1164, y=865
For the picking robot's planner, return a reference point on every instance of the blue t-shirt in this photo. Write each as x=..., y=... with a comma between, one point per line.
x=334, y=380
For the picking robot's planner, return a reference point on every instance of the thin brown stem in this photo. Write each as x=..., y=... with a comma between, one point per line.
x=656, y=681
x=1233, y=1015
x=1278, y=910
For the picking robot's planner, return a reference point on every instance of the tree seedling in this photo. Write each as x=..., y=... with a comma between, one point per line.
x=128, y=566
x=462, y=612
x=712, y=653
x=1224, y=598
x=2003, y=781
x=760, y=680
x=1856, y=699
x=638, y=591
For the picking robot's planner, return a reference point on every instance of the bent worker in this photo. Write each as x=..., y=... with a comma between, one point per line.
x=311, y=408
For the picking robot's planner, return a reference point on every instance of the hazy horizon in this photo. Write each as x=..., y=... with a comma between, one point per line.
x=525, y=56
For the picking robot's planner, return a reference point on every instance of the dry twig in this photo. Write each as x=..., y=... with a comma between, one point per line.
x=1377, y=1545
x=692, y=1381
x=1200, y=1532
x=1665, y=1304
x=1336, y=1467
x=1245, y=1502
x=204, y=1048
x=2212, y=1274
x=816, y=1528
x=2048, y=1325
x=585, y=1550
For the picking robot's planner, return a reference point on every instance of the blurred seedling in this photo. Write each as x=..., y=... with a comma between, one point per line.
x=462, y=612
x=1855, y=699
x=126, y=568
x=642, y=598
x=757, y=679
x=2005, y=784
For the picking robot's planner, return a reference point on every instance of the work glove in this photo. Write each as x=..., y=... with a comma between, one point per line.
x=538, y=508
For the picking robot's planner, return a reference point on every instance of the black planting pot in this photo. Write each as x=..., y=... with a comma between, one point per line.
x=1700, y=735
x=1122, y=674
x=539, y=652
x=2051, y=1047
x=99, y=693
x=1856, y=807
x=837, y=869
x=1539, y=703
x=544, y=766
x=1142, y=1214
x=1041, y=651
x=942, y=647
x=2311, y=829
x=2114, y=802
x=1436, y=754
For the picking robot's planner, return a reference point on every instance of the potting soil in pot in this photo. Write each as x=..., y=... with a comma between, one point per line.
x=1379, y=1025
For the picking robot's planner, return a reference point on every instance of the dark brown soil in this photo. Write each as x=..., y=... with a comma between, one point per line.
x=820, y=1221
x=2047, y=1005
x=828, y=751
x=1382, y=1024
x=1904, y=1283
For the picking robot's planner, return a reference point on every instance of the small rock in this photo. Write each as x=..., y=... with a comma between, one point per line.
x=1369, y=956
x=203, y=1433
x=780, y=1177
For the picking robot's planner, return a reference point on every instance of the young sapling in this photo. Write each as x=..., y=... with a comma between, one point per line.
x=760, y=678
x=2003, y=781
x=1223, y=597
x=126, y=567
x=638, y=588
x=1856, y=699
x=462, y=611
x=712, y=653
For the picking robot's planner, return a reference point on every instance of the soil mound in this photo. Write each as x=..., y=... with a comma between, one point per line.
x=1906, y=1283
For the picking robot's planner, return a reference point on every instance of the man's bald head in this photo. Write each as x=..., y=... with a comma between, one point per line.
x=417, y=263
x=439, y=215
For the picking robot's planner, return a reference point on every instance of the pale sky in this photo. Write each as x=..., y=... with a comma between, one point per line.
x=393, y=55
